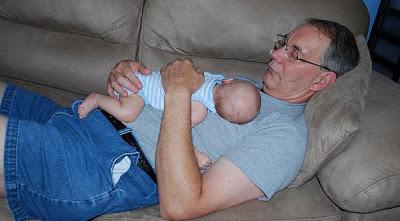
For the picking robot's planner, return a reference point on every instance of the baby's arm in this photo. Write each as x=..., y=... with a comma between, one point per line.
x=125, y=109
x=199, y=112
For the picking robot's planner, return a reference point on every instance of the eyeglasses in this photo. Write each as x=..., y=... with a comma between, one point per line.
x=291, y=54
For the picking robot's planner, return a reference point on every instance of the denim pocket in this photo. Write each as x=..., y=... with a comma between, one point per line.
x=121, y=165
x=133, y=180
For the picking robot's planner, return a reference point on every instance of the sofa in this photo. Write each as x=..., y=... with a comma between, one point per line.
x=66, y=49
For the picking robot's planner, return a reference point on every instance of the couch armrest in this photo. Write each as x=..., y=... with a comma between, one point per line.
x=366, y=177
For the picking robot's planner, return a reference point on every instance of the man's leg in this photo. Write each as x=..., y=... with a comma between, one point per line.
x=24, y=104
x=3, y=125
x=27, y=115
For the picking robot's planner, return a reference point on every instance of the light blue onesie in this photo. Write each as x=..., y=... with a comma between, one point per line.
x=153, y=92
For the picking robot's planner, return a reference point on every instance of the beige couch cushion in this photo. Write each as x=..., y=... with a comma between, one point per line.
x=333, y=115
x=366, y=177
x=70, y=45
x=116, y=21
x=290, y=204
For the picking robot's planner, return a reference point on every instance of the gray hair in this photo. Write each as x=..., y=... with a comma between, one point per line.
x=342, y=55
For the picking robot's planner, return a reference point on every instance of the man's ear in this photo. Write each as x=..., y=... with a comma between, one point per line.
x=323, y=80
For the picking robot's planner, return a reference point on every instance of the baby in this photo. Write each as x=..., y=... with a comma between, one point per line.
x=237, y=101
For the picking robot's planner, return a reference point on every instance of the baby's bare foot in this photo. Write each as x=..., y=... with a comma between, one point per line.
x=87, y=105
x=202, y=160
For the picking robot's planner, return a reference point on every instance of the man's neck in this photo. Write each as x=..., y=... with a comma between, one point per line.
x=291, y=99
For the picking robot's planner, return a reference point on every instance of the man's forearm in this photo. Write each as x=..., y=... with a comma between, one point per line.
x=178, y=176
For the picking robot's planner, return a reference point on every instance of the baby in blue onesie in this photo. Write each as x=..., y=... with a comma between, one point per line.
x=237, y=101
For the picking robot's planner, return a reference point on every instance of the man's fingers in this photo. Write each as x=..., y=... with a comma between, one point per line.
x=131, y=82
x=170, y=63
x=139, y=67
x=188, y=59
x=111, y=86
x=162, y=69
x=118, y=84
x=110, y=90
x=126, y=77
x=123, y=77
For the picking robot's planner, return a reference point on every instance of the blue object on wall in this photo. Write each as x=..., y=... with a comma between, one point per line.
x=372, y=6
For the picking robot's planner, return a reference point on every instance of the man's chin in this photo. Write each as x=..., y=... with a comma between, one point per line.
x=267, y=86
x=271, y=77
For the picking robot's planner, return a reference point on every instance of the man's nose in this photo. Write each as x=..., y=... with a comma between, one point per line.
x=278, y=55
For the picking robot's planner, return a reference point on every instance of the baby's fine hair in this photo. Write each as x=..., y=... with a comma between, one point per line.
x=240, y=102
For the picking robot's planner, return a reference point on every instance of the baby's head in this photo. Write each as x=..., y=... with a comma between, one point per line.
x=237, y=101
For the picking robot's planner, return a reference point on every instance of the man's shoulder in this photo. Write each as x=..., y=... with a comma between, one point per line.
x=267, y=123
x=276, y=122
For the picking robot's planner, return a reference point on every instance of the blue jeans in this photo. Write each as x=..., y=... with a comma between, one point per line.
x=59, y=167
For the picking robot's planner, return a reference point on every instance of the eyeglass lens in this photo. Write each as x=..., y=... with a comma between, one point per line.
x=280, y=42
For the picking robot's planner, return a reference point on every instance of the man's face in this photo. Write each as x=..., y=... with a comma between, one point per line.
x=293, y=81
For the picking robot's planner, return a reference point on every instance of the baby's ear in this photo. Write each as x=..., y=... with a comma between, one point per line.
x=228, y=80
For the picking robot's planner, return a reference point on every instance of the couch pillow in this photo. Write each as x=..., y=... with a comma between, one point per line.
x=333, y=115
x=366, y=176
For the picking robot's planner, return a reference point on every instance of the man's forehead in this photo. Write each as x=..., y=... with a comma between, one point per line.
x=307, y=37
x=303, y=31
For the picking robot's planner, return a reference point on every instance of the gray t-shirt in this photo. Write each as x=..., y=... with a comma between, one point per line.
x=268, y=150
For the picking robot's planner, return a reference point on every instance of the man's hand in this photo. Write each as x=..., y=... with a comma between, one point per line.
x=180, y=74
x=123, y=75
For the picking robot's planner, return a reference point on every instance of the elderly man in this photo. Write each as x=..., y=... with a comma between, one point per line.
x=58, y=166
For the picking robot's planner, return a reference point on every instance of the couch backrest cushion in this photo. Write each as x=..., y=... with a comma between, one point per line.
x=67, y=44
x=113, y=20
x=333, y=116
x=232, y=36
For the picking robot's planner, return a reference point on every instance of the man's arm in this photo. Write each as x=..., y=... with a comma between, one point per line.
x=184, y=192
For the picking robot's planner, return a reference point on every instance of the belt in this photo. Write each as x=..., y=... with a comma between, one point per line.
x=142, y=162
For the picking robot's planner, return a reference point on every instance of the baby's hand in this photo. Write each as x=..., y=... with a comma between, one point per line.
x=202, y=160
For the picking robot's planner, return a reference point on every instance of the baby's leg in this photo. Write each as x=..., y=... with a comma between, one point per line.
x=126, y=109
x=199, y=112
x=131, y=107
x=202, y=159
